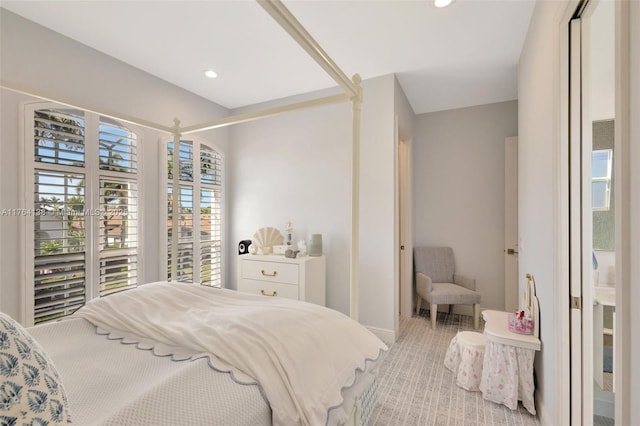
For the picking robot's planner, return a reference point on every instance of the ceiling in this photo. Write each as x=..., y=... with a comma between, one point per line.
x=462, y=55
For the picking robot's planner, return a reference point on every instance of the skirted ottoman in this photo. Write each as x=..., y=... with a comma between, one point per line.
x=465, y=357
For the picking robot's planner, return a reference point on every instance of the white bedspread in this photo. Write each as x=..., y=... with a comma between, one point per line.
x=110, y=383
x=301, y=354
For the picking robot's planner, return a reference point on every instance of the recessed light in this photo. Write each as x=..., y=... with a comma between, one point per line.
x=442, y=3
x=211, y=73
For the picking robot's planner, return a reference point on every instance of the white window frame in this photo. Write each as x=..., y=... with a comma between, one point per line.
x=164, y=178
x=92, y=173
x=603, y=179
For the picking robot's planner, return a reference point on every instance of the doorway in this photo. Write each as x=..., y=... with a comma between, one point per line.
x=593, y=256
x=405, y=228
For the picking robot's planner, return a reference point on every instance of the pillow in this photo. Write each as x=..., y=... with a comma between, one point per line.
x=31, y=390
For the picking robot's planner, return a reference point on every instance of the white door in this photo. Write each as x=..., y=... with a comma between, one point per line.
x=592, y=105
x=401, y=210
x=578, y=411
x=511, y=290
x=405, y=260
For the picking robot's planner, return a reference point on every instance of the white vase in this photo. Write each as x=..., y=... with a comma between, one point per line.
x=315, y=245
x=302, y=247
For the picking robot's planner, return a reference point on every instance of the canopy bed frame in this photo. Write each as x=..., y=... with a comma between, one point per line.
x=201, y=339
x=352, y=92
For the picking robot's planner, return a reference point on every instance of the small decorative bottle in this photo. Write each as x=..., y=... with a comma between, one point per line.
x=289, y=232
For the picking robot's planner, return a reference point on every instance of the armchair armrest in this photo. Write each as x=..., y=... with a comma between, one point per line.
x=464, y=281
x=424, y=284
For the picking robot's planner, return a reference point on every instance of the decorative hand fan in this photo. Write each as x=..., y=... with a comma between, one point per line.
x=267, y=238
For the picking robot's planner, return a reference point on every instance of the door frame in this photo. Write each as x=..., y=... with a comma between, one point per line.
x=578, y=396
x=405, y=223
x=562, y=368
x=622, y=341
x=512, y=289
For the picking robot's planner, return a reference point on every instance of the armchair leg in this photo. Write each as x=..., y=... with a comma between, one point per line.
x=418, y=303
x=450, y=308
x=476, y=315
x=434, y=312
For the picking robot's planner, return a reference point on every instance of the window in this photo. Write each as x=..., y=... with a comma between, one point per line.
x=194, y=221
x=601, y=179
x=83, y=218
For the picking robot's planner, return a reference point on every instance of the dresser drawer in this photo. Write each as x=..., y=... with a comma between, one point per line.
x=297, y=278
x=268, y=289
x=275, y=272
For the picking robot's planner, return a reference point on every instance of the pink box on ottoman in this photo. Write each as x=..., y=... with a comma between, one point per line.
x=520, y=325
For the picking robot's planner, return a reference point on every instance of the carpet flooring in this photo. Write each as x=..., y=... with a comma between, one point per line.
x=414, y=387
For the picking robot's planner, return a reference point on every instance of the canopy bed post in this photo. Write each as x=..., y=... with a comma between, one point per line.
x=355, y=198
x=175, y=202
x=291, y=25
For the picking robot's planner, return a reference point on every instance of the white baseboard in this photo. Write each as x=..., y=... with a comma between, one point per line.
x=543, y=414
x=387, y=336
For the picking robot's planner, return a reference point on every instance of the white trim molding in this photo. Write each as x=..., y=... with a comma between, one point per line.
x=624, y=404
x=387, y=336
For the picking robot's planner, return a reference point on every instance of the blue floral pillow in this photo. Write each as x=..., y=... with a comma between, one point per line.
x=31, y=391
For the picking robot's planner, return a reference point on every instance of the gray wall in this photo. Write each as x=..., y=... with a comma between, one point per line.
x=293, y=167
x=68, y=70
x=458, y=186
x=297, y=167
x=538, y=200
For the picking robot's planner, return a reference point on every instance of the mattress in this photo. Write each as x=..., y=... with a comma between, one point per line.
x=113, y=382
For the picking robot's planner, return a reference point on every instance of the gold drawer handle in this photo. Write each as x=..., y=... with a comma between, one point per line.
x=275, y=293
x=268, y=275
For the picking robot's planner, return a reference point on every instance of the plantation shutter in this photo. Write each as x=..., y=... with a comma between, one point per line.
x=194, y=213
x=118, y=240
x=85, y=216
x=117, y=148
x=184, y=259
x=59, y=222
x=185, y=155
x=185, y=235
x=210, y=217
x=118, y=201
x=59, y=244
x=59, y=137
x=210, y=167
x=180, y=205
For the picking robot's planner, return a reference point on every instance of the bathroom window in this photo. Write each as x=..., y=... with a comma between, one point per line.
x=601, y=161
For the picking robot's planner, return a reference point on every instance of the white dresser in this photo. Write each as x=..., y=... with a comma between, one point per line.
x=277, y=276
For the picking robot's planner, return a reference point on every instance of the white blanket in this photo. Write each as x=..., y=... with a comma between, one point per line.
x=301, y=354
x=110, y=383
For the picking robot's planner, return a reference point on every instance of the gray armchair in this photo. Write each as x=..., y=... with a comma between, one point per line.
x=438, y=283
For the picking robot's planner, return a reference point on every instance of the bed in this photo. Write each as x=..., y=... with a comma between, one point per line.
x=249, y=361
x=174, y=353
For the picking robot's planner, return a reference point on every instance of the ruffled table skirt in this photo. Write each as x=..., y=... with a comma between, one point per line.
x=507, y=375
